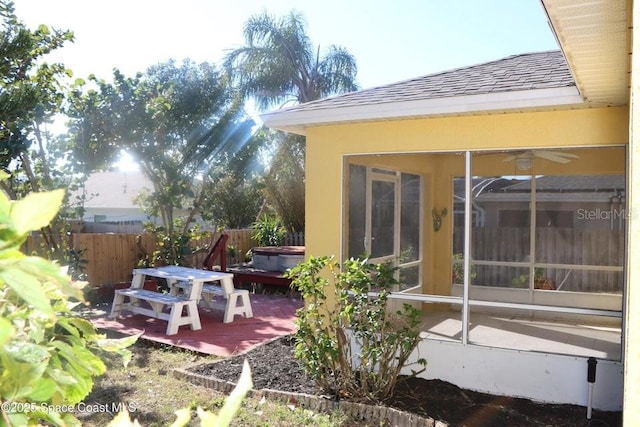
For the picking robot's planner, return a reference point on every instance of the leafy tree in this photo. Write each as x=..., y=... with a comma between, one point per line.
x=235, y=197
x=28, y=91
x=177, y=121
x=279, y=65
x=31, y=94
x=233, y=202
x=284, y=188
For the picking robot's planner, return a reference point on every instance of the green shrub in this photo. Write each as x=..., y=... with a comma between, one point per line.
x=269, y=231
x=355, y=348
x=457, y=269
x=48, y=355
x=173, y=247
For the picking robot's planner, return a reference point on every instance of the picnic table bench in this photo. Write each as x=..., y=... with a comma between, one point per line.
x=187, y=288
x=233, y=301
x=158, y=301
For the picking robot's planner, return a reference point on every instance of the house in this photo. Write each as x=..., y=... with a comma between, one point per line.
x=382, y=164
x=110, y=203
x=109, y=197
x=589, y=209
x=562, y=201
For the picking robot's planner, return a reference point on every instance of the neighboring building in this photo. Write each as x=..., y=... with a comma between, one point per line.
x=382, y=162
x=110, y=203
x=580, y=202
x=110, y=197
x=479, y=187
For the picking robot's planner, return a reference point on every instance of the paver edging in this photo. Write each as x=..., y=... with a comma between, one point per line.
x=367, y=412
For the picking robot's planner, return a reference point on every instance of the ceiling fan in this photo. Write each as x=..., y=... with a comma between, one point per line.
x=524, y=159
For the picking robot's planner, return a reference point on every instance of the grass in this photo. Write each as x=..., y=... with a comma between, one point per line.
x=148, y=387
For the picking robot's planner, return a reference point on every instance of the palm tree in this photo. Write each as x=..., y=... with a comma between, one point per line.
x=279, y=64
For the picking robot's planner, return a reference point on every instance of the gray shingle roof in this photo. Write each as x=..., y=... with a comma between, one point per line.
x=541, y=70
x=569, y=188
x=580, y=183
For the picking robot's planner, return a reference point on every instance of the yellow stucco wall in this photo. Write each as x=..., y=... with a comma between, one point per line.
x=329, y=147
x=499, y=131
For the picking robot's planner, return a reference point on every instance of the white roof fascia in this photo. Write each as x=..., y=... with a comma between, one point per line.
x=296, y=121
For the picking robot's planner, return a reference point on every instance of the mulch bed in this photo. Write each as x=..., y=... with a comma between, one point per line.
x=273, y=366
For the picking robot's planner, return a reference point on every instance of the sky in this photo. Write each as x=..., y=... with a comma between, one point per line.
x=391, y=40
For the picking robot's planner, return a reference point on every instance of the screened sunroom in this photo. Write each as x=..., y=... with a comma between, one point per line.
x=515, y=250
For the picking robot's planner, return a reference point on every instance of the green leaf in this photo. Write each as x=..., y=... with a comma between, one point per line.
x=69, y=420
x=28, y=288
x=36, y=210
x=6, y=331
x=27, y=352
x=23, y=366
x=43, y=29
x=233, y=402
x=78, y=391
x=85, y=362
x=119, y=345
x=53, y=418
x=43, y=390
x=79, y=328
x=183, y=417
x=122, y=420
x=48, y=271
x=116, y=344
x=37, y=330
x=209, y=419
x=18, y=418
x=61, y=377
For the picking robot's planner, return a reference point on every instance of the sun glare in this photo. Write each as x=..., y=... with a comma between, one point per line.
x=126, y=163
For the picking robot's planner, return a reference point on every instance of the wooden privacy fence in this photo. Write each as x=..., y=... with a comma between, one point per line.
x=294, y=239
x=111, y=257
x=553, y=246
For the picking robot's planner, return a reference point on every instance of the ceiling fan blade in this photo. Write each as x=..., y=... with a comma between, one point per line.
x=516, y=155
x=559, y=157
x=553, y=158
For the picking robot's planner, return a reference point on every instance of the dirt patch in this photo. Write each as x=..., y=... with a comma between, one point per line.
x=274, y=366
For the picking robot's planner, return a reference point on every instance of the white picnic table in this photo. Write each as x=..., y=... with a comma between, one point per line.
x=188, y=287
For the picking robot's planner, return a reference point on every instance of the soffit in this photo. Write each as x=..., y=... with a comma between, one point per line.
x=595, y=38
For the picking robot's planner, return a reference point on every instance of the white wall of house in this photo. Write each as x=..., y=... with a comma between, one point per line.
x=110, y=196
x=542, y=377
x=102, y=214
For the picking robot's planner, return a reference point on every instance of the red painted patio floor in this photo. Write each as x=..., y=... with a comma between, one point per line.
x=273, y=316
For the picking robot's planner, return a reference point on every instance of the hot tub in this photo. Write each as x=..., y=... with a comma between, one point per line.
x=277, y=258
